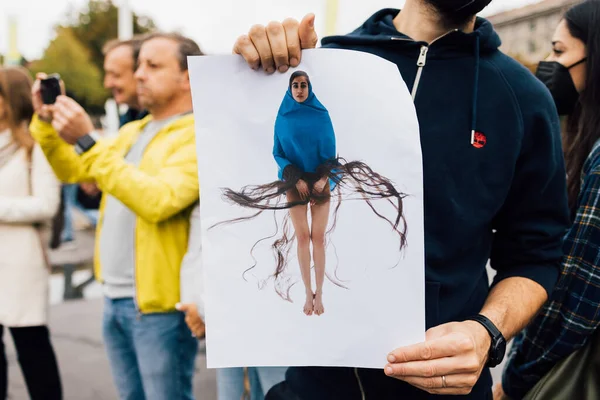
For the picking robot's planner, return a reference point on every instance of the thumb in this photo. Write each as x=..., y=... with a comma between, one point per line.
x=182, y=307
x=307, y=33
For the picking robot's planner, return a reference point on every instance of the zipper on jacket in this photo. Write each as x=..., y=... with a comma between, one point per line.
x=420, y=65
x=135, y=294
x=136, y=304
x=360, y=385
x=422, y=60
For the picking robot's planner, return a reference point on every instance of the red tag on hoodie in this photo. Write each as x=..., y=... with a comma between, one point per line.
x=479, y=140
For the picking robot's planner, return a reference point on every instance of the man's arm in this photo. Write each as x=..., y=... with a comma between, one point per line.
x=154, y=198
x=63, y=159
x=44, y=128
x=526, y=252
x=529, y=229
x=151, y=197
x=512, y=303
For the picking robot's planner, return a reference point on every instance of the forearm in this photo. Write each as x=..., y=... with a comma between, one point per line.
x=62, y=157
x=512, y=303
x=151, y=197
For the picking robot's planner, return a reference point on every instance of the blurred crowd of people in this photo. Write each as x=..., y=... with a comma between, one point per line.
x=522, y=193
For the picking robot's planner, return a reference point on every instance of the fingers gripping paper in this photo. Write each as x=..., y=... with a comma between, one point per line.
x=311, y=210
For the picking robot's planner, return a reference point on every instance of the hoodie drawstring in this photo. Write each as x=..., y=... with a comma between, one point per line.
x=475, y=90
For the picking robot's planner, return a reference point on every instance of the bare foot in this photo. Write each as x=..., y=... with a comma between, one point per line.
x=308, y=306
x=319, y=309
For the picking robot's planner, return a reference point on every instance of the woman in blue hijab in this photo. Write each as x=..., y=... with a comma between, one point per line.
x=309, y=171
x=304, y=141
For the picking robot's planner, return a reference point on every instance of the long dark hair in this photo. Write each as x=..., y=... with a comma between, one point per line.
x=15, y=89
x=582, y=128
x=355, y=180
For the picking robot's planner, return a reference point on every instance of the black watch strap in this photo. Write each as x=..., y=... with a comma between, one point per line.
x=498, y=344
x=86, y=142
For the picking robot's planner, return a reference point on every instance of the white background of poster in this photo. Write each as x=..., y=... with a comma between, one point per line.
x=375, y=122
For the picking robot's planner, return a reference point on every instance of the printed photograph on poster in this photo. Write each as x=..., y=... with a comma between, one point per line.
x=311, y=208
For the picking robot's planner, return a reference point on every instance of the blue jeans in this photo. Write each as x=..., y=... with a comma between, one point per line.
x=230, y=381
x=151, y=355
x=70, y=203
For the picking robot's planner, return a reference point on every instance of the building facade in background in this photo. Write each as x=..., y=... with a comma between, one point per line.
x=526, y=32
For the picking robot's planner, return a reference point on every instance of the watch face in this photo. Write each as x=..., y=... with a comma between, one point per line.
x=498, y=351
x=86, y=142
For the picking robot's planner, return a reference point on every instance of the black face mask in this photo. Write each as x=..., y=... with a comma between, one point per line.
x=558, y=80
x=460, y=8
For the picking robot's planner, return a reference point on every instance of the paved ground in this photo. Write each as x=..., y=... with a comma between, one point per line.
x=76, y=331
x=76, y=335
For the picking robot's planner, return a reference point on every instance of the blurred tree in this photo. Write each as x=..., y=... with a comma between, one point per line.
x=76, y=52
x=98, y=23
x=67, y=56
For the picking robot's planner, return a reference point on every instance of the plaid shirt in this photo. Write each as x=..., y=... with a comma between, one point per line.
x=572, y=312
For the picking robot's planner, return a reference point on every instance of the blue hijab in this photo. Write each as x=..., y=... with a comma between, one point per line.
x=304, y=135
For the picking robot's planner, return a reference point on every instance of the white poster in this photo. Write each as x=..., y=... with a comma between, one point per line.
x=311, y=200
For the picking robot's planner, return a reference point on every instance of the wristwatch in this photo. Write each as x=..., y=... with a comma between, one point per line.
x=498, y=346
x=86, y=142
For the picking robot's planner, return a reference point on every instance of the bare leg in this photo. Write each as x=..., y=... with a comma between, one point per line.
x=299, y=218
x=320, y=219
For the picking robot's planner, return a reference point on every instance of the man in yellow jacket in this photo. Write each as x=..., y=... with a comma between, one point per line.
x=149, y=176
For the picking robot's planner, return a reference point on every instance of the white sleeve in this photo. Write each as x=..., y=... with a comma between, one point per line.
x=44, y=200
x=191, y=276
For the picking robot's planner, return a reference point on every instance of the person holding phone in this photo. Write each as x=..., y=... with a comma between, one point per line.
x=148, y=174
x=120, y=60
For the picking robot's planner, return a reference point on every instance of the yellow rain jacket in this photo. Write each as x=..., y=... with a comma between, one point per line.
x=160, y=191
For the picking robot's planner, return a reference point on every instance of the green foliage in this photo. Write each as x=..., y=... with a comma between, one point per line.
x=98, y=24
x=72, y=60
x=76, y=52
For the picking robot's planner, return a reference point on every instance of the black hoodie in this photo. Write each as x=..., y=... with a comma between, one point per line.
x=494, y=183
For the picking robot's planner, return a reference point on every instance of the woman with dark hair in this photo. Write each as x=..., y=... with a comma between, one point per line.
x=305, y=140
x=571, y=318
x=309, y=172
x=29, y=196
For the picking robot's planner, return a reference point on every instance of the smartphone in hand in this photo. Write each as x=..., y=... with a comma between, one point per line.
x=50, y=88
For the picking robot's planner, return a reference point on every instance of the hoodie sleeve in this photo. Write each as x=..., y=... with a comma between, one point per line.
x=529, y=228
